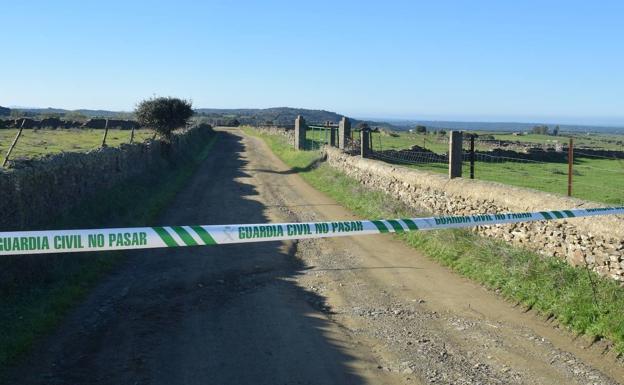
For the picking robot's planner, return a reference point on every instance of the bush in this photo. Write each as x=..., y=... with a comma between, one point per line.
x=164, y=114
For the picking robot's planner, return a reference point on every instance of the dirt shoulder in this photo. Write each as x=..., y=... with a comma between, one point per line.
x=343, y=310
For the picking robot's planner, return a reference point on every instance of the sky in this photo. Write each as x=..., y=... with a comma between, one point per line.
x=546, y=61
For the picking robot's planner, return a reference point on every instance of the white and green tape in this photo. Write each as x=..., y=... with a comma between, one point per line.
x=69, y=241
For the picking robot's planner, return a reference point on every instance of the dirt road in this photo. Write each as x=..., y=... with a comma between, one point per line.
x=334, y=311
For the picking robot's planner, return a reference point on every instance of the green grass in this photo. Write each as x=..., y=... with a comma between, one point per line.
x=597, y=141
x=595, y=180
x=36, y=143
x=37, y=291
x=549, y=286
x=598, y=180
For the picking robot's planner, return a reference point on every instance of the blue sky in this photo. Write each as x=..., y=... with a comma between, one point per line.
x=557, y=61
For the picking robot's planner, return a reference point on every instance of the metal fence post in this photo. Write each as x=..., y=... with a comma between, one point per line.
x=455, y=154
x=300, y=133
x=570, y=165
x=344, y=132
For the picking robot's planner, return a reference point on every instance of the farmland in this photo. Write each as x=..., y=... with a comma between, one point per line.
x=37, y=143
x=594, y=179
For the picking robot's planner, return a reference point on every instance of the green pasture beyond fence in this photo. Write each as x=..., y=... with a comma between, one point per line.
x=595, y=178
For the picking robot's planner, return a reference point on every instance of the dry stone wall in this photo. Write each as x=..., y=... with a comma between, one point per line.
x=35, y=191
x=595, y=242
x=273, y=130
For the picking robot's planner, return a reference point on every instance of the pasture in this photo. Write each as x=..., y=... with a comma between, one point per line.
x=37, y=143
x=594, y=179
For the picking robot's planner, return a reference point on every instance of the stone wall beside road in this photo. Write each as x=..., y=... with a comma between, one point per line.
x=597, y=242
x=33, y=192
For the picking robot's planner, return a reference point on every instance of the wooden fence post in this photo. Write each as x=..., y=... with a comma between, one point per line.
x=455, y=154
x=105, y=133
x=19, y=133
x=132, y=135
x=570, y=165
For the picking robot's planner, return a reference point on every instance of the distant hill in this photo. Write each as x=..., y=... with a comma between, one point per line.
x=276, y=115
x=283, y=116
x=286, y=116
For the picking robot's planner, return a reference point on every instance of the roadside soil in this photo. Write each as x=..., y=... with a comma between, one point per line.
x=355, y=310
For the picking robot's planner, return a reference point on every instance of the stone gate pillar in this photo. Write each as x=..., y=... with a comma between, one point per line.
x=455, y=154
x=300, y=133
x=365, y=142
x=344, y=132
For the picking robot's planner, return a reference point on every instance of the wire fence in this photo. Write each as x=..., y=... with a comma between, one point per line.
x=593, y=176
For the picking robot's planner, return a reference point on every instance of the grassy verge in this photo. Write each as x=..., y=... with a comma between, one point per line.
x=37, y=291
x=585, y=302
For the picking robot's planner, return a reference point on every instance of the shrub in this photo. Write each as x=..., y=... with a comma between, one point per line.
x=164, y=114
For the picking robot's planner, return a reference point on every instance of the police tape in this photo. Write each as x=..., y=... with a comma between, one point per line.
x=70, y=241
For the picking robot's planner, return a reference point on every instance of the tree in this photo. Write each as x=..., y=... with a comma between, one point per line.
x=421, y=129
x=164, y=114
x=232, y=123
x=540, y=129
x=4, y=111
x=556, y=130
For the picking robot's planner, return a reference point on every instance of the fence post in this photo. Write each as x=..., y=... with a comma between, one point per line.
x=327, y=131
x=332, y=136
x=105, y=133
x=344, y=132
x=570, y=164
x=455, y=154
x=19, y=133
x=472, y=156
x=364, y=142
x=300, y=133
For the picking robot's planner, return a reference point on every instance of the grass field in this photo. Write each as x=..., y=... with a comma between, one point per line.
x=36, y=143
x=597, y=141
x=599, y=180
x=546, y=285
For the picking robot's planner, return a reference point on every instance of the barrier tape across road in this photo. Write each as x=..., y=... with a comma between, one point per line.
x=71, y=241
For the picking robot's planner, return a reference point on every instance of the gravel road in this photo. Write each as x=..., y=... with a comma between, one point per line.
x=357, y=310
